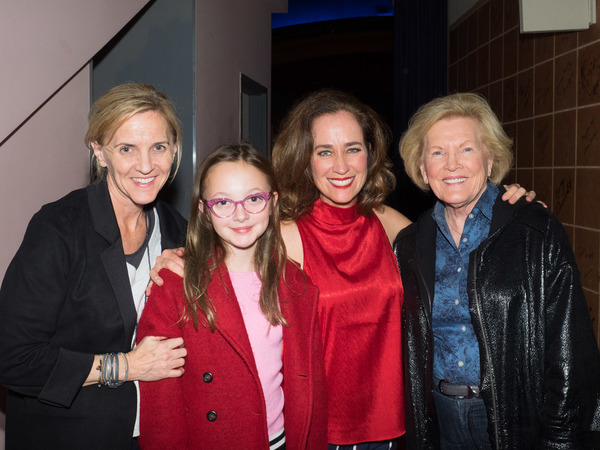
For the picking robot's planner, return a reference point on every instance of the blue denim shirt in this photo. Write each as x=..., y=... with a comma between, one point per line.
x=456, y=352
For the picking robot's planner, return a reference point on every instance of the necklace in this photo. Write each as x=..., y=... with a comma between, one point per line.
x=147, y=244
x=456, y=234
x=452, y=228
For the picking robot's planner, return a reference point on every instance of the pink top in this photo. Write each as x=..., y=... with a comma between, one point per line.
x=266, y=341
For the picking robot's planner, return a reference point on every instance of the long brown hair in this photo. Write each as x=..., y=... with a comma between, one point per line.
x=204, y=250
x=293, y=149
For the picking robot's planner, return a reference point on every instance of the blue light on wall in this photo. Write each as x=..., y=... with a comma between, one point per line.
x=306, y=11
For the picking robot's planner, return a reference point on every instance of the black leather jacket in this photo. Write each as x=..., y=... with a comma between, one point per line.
x=540, y=365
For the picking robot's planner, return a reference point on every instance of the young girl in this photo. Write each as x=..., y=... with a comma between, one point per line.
x=248, y=317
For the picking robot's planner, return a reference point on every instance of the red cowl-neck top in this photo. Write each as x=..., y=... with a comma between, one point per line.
x=349, y=258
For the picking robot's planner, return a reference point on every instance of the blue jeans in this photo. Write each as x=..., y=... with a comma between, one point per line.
x=462, y=421
x=379, y=445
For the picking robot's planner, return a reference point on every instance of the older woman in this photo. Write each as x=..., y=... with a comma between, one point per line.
x=499, y=348
x=72, y=296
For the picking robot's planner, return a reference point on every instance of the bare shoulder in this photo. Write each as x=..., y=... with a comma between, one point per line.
x=393, y=222
x=293, y=241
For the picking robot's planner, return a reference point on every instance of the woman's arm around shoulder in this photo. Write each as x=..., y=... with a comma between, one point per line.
x=393, y=222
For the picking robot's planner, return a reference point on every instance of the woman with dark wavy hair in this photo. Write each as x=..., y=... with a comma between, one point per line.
x=331, y=160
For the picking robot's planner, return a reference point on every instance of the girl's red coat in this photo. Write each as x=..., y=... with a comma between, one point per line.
x=218, y=403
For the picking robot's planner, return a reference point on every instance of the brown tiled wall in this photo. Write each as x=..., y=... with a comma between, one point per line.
x=545, y=88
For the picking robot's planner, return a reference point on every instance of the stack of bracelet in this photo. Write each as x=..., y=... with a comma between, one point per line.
x=108, y=370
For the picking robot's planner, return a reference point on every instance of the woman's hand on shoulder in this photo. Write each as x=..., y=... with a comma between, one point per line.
x=393, y=222
x=155, y=358
x=171, y=259
x=514, y=192
x=293, y=241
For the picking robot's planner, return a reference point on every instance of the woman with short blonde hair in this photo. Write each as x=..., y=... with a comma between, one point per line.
x=498, y=144
x=500, y=350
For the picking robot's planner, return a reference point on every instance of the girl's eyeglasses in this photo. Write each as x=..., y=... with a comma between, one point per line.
x=225, y=207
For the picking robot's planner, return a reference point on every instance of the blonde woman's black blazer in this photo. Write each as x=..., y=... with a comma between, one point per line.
x=65, y=297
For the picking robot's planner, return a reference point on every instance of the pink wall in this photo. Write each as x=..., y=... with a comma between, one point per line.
x=43, y=160
x=45, y=43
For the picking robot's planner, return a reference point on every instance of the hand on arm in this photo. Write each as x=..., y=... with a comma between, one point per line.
x=155, y=358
